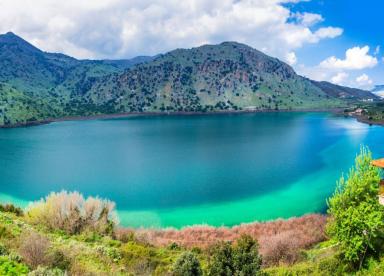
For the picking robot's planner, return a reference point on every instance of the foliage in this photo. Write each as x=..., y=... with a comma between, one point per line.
x=70, y=212
x=247, y=260
x=59, y=260
x=11, y=268
x=357, y=218
x=45, y=271
x=239, y=260
x=11, y=209
x=187, y=265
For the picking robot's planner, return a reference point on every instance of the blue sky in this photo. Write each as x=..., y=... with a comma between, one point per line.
x=333, y=40
x=361, y=23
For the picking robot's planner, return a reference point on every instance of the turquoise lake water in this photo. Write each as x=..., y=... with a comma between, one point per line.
x=183, y=170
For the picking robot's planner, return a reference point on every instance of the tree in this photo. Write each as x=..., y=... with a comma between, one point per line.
x=187, y=265
x=247, y=260
x=356, y=217
x=221, y=263
x=243, y=259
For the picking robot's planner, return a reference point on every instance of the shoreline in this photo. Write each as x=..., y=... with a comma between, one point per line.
x=176, y=113
x=365, y=120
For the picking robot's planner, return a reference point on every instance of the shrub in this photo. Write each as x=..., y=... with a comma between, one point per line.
x=282, y=248
x=173, y=246
x=12, y=268
x=247, y=260
x=221, y=262
x=73, y=214
x=34, y=250
x=5, y=232
x=3, y=250
x=45, y=271
x=187, y=265
x=241, y=259
x=357, y=218
x=10, y=208
x=59, y=260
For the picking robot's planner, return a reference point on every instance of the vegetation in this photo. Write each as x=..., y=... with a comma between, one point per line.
x=187, y=265
x=356, y=217
x=241, y=259
x=66, y=234
x=73, y=214
x=372, y=113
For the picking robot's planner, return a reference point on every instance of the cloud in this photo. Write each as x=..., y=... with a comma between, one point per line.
x=291, y=58
x=122, y=29
x=356, y=58
x=308, y=19
x=377, y=50
x=364, y=81
x=339, y=78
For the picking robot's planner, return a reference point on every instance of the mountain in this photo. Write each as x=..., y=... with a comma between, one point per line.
x=343, y=92
x=36, y=85
x=378, y=90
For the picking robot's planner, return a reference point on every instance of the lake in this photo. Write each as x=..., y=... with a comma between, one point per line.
x=182, y=170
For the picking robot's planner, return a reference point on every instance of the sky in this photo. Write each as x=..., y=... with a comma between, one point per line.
x=334, y=40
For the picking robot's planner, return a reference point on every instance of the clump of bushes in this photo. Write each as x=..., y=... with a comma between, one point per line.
x=187, y=265
x=241, y=259
x=10, y=208
x=72, y=213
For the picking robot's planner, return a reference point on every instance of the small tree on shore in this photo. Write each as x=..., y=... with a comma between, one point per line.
x=356, y=217
x=187, y=265
x=242, y=259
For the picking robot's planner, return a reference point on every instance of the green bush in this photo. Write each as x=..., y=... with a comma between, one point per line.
x=241, y=259
x=3, y=249
x=59, y=260
x=356, y=217
x=11, y=268
x=187, y=265
x=10, y=208
x=221, y=262
x=247, y=260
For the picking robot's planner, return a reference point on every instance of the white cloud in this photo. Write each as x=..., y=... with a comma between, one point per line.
x=364, y=81
x=339, y=78
x=356, y=58
x=328, y=32
x=308, y=19
x=291, y=58
x=377, y=50
x=120, y=28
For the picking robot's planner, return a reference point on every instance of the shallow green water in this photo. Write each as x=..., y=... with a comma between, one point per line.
x=177, y=171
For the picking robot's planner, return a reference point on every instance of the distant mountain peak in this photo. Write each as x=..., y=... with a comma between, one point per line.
x=11, y=39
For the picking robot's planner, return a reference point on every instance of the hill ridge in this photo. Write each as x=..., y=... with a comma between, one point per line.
x=229, y=76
